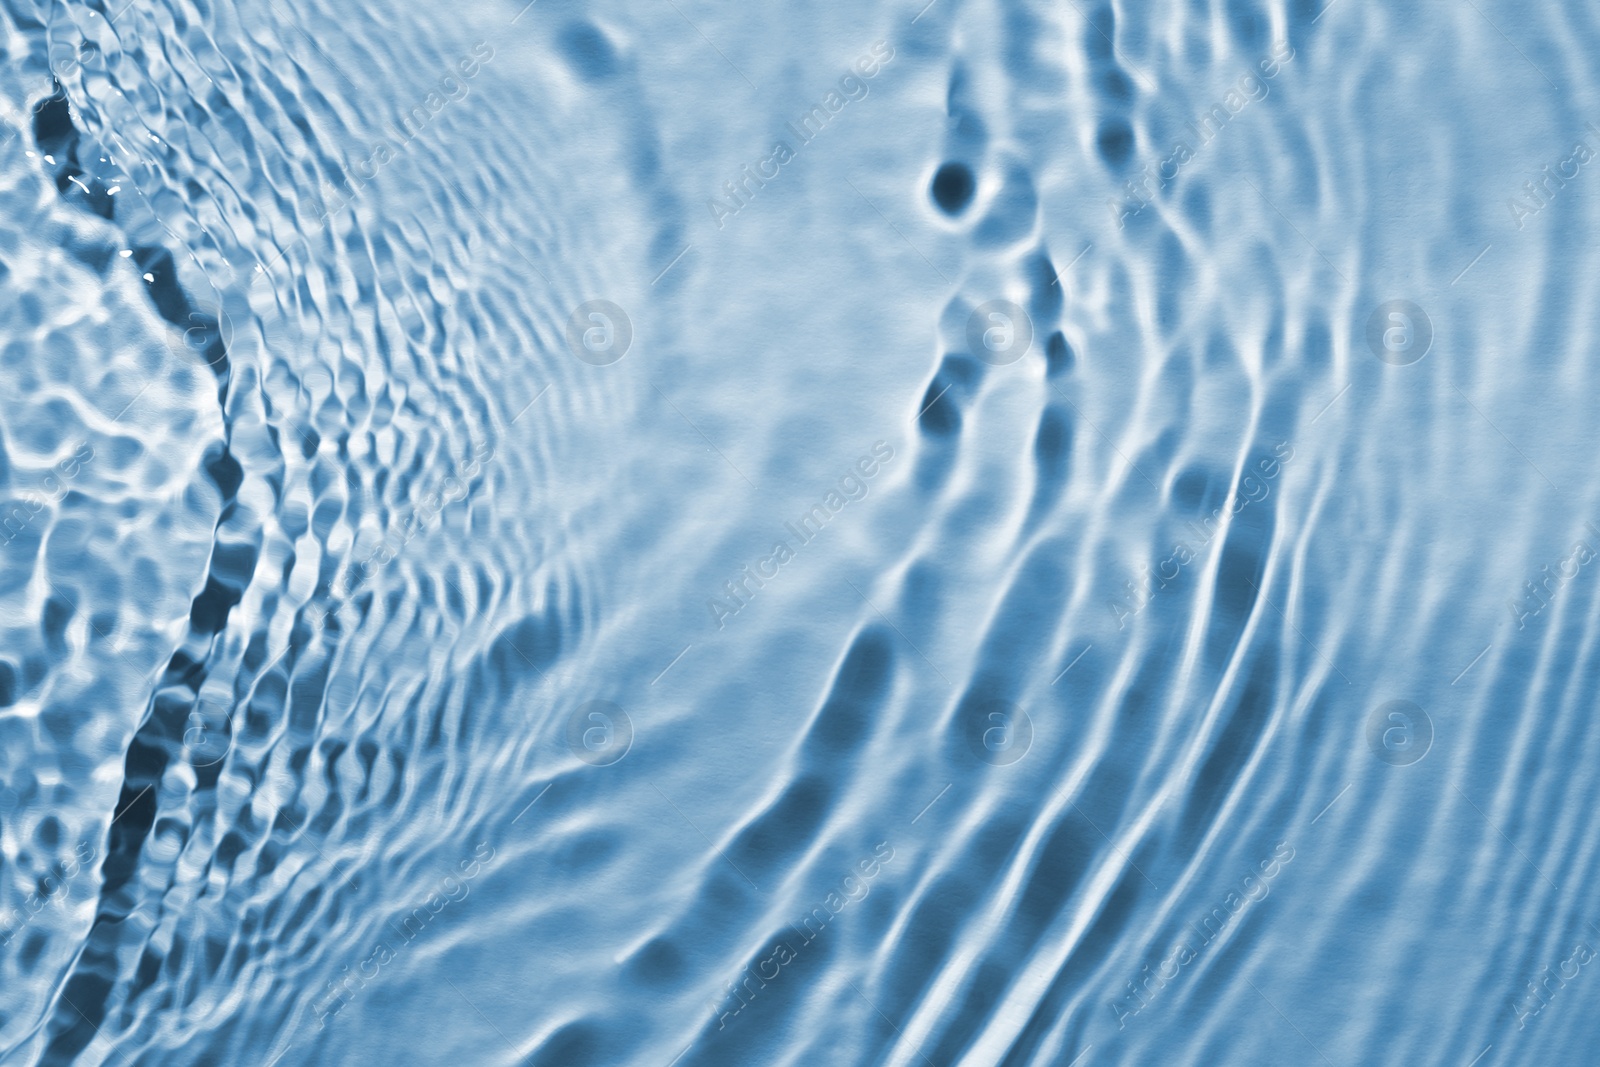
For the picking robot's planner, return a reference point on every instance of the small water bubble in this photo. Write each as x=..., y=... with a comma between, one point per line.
x=952, y=187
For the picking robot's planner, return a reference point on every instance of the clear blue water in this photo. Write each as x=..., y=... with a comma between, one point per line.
x=698, y=534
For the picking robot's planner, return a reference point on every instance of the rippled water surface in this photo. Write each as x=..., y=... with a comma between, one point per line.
x=691, y=533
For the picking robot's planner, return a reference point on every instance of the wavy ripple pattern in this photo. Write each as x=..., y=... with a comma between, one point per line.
x=968, y=534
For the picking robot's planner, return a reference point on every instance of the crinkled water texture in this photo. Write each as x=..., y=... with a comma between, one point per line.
x=954, y=533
